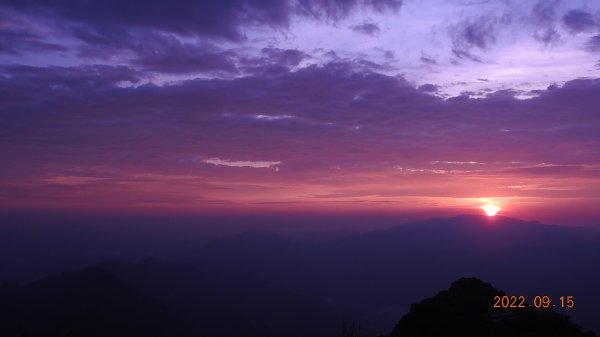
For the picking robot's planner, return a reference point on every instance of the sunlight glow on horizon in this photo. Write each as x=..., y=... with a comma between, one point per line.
x=490, y=209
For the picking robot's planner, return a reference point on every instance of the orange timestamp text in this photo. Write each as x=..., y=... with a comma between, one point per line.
x=539, y=302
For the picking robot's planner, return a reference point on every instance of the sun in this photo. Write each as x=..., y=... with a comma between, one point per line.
x=490, y=209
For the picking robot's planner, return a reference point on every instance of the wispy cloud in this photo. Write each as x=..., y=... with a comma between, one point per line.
x=273, y=117
x=251, y=164
x=72, y=180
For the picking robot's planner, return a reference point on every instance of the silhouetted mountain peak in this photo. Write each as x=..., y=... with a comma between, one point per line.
x=466, y=309
x=471, y=286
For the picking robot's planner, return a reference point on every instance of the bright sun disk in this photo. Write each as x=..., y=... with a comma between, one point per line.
x=490, y=210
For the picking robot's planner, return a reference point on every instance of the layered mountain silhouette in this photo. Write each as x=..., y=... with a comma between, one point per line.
x=266, y=284
x=113, y=300
x=156, y=298
x=378, y=274
x=465, y=310
x=90, y=302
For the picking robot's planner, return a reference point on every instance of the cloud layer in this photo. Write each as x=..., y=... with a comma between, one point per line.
x=204, y=105
x=337, y=132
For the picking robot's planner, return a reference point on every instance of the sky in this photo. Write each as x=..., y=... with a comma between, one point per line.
x=301, y=106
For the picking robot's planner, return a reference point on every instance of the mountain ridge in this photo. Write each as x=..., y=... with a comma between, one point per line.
x=386, y=270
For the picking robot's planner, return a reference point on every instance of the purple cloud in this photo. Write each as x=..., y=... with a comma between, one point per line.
x=543, y=16
x=192, y=18
x=579, y=21
x=480, y=32
x=593, y=44
x=428, y=59
x=367, y=28
x=181, y=58
x=286, y=57
x=544, y=12
x=14, y=41
x=547, y=36
x=465, y=55
x=429, y=88
x=16, y=37
x=337, y=97
x=28, y=81
x=79, y=132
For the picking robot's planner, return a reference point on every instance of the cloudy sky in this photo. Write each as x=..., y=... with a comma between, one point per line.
x=311, y=105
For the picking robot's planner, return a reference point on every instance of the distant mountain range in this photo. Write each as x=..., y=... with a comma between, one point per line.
x=267, y=284
x=378, y=274
x=90, y=302
x=156, y=298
